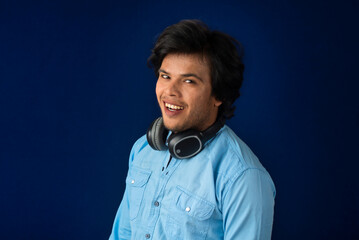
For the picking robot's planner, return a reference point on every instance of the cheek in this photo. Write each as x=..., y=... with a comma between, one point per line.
x=196, y=100
x=204, y=97
x=158, y=90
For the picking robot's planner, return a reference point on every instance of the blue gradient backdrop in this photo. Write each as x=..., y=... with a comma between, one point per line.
x=75, y=93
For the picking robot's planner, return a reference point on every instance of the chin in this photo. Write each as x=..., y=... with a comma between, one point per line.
x=173, y=127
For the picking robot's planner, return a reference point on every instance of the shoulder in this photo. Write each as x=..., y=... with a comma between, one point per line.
x=234, y=161
x=231, y=157
x=138, y=147
x=228, y=148
x=142, y=155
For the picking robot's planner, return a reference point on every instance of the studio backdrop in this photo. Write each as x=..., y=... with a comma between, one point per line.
x=76, y=93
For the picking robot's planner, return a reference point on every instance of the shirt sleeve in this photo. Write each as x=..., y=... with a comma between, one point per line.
x=248, y=206
x=121, y=227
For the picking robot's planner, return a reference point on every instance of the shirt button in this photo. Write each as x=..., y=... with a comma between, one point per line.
x=188, y=209
x=156, y=203
x=147, y=235
x=133, y=181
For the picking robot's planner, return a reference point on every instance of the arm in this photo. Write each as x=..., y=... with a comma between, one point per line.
x=121, y=227
x=248, y=206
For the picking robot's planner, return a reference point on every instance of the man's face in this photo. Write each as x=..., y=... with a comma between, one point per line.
x=184, y=93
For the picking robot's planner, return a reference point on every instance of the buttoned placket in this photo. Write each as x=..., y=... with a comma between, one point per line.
x=166, y=173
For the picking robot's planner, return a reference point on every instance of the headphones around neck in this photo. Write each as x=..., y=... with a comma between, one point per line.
x=181, y=145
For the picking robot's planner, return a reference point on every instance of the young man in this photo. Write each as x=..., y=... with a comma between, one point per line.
x=192, y=177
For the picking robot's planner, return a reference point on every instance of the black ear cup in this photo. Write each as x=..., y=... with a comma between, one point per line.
x=181, y=145
x=185, y=144
x=157, y=134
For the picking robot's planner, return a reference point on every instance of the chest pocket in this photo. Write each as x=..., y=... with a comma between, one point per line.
x=193, y=205
x=189, y=215
x=136, y=182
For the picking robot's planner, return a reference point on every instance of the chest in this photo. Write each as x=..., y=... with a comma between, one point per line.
x=179, y=197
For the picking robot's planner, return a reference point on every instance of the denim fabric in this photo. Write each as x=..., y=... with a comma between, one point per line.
x=222, y=193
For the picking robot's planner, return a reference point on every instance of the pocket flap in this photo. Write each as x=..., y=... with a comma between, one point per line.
x=193, y=205
x=137, y=177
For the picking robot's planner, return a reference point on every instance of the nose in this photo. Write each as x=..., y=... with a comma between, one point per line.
x=173, y=88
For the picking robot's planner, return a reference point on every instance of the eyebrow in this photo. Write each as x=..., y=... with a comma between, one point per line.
x=183, y=75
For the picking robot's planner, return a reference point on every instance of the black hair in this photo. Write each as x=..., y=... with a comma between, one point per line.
x=223, y=53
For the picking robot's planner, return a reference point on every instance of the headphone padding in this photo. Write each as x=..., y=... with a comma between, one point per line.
x=157, y=134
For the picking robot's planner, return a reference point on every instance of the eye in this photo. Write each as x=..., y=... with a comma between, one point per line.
x=164, y=76
x=189, y=81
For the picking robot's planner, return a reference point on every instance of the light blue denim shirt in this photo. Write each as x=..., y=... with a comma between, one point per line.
x=222, y=193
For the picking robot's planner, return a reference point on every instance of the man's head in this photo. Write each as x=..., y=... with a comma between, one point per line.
x=210, y=53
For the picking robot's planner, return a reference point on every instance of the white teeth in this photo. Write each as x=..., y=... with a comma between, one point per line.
x=173, y=107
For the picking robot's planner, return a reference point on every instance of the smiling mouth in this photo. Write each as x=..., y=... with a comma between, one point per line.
x=172, y=107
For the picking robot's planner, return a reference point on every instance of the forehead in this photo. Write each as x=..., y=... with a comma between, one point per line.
x=186, y=63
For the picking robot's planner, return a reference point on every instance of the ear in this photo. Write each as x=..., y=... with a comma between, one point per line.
x=217, y=103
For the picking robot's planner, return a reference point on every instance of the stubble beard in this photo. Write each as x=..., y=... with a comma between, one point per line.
x=195, y=123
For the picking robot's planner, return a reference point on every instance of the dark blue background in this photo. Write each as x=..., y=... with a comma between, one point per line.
x=75, y=93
